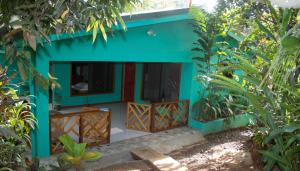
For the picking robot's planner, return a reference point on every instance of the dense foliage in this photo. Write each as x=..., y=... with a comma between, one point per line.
x=215, y=45
x=16, y=120
x=268, y=58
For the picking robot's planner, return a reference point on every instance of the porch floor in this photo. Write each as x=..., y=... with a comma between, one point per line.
x=119, y=152
x=119, y=131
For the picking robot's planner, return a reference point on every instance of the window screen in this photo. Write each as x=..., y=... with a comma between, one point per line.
x=92, y=78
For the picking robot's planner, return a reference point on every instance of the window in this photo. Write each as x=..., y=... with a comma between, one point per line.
x=92, y=78
x=161, y=81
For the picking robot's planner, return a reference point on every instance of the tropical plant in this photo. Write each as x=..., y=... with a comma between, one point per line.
x=270, y=83
x=214, y=47
x=76, y=153
x=16, y=121
x=278, y=125
x=11, y=155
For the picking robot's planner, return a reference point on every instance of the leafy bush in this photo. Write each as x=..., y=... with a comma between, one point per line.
x=10, y=153
x=270, y=83
x=214, y=48
x=16, y=121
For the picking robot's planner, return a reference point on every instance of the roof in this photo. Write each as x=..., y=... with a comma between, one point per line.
x=136, y=20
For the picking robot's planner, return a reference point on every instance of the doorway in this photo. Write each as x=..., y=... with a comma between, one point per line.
x=128, y=82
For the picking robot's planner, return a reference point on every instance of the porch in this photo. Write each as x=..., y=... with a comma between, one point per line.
x=119, y=152
x=109, y=123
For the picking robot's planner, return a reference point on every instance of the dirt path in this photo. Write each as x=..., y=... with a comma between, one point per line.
x=222, y=151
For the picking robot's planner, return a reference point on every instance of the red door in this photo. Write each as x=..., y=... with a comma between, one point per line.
x=128, y=82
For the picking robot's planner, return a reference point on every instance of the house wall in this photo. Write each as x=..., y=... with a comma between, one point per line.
x=62, y=95
x=172, y=42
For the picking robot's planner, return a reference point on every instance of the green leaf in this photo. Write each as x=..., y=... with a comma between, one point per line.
x=102, y=29
x=120, y=19
x=95, y=30
x=291, y=140
x=235, y=36
x=290, y=42
x=71, y=159
x=69, y=144
x=91, y=156
x=91, y=24
x=286, y=129
x=285, y=21
x=274, y=156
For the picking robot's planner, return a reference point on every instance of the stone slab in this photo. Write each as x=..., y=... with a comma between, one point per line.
x=177, y=142
x=160, y=161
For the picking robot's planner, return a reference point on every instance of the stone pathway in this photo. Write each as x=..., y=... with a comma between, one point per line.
x=165, y=141
x=119, y=152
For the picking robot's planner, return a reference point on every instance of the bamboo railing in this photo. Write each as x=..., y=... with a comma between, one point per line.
x=138, y=116
x=168, y=115
x=91, y=126
x=157, y=116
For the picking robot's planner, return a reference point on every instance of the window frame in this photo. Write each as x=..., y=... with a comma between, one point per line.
x=143, y=77
x=95, y=93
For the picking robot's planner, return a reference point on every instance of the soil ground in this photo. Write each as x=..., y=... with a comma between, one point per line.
x=226, y=151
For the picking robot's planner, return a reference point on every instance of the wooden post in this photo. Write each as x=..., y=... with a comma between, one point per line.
x=80, y=130
x=171, y=115
x=152, y=118
x=109, y=127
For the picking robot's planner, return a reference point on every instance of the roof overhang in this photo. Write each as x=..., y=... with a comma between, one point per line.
x=136, y=20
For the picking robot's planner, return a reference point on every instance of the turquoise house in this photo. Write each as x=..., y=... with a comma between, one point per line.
x=134, y=64
x=150, y=62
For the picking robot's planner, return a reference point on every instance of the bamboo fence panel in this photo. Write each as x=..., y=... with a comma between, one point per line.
x=96, y=128
x=91, y=126
x=168, y=115
x=157, y=116
x=138, y=116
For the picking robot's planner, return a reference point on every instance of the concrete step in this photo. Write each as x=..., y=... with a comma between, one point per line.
x=158, y=160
